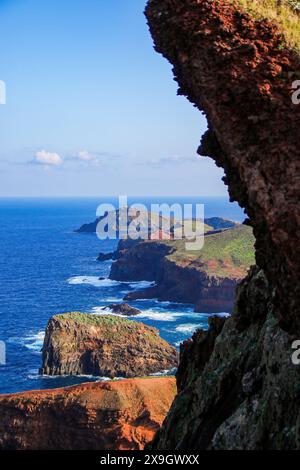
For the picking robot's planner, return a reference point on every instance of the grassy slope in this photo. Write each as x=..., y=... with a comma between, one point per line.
x=105, y=321
x=229, y=253
x=286, y=15
x=112, y=326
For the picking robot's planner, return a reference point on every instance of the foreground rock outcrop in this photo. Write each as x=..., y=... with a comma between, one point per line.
x=107, y=346
x=237, y=385
x=122, y=415
x=207, y=278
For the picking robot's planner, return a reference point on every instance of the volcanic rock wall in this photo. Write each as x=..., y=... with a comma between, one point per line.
x=239, y=71
x=237, y=386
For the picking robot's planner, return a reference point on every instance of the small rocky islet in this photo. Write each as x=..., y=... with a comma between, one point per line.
x=104, y=346
x=122, y=309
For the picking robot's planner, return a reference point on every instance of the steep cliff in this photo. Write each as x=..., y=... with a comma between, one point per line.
x=109, y=346
x=237, y=386
x=121, y=415
x=205, y=278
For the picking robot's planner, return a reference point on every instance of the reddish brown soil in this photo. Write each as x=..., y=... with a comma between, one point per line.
x=123, y=415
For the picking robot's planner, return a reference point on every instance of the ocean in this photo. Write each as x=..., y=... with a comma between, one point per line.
x=46, y=268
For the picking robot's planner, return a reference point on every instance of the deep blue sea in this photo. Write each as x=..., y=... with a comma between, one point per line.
x=46, y=268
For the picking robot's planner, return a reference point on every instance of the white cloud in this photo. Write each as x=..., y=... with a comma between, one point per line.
x=48, y=159
x=85, y=156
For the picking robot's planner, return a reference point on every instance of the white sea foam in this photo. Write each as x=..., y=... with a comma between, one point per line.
x=93, y=281
x=157, y=316
x=188, y=327
x=33, y=342
x=165, y=372
x=141, y=284
x=105, y=311
x=223, y=315
x=152, y=314
x=165, y=315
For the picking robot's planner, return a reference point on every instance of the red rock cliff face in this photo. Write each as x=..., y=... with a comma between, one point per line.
x=240, y=73
x=121, y=415
x=237, y=386
x=174, y=282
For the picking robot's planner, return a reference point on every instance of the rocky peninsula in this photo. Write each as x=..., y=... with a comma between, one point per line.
x=207, y=278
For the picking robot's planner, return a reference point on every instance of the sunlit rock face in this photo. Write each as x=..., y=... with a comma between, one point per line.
x=237, y=69
x=104, y=346
x=123, y=415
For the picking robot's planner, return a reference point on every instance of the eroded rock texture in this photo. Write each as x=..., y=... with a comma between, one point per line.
x=122, y=415
x=240, y=73
x=105, y=346
x=237, y=386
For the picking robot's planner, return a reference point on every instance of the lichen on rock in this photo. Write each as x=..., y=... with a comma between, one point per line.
x=105, y=345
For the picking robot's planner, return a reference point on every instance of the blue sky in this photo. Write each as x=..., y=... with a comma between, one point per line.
x=91, y=108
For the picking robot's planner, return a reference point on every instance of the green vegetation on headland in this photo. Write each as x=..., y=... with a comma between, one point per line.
x=104, y=321
x=111, y=326
x=224, y=254
x=284, y=12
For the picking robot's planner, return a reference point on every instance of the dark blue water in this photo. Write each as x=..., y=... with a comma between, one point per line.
x=46, y=268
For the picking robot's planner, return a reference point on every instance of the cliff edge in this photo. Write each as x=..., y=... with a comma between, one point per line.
x=237, y=386
x=122, y=415
x=206, y=278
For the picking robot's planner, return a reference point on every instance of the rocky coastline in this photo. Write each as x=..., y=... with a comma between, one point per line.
x=208, y=283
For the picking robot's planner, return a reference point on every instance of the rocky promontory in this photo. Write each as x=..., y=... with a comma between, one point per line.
x=206, y=278
x=105, y=345
x=119, y=415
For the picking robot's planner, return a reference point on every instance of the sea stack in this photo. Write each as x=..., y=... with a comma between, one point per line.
x=106, y=346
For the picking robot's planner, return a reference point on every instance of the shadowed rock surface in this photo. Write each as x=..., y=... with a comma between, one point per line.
x=105, y=346
x=123, y=415
x=123, y=309
x=237, y=386
x=105, y=256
